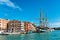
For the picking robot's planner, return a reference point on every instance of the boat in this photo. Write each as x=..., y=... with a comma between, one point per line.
x=14, y=33
x=3, y=33
x=41, y=30
x=50, y=30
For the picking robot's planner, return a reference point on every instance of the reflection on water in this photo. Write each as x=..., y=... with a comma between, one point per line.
x=34, y=36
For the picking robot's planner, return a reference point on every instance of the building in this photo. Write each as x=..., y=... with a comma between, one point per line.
x=14, y=26
x=26, y=26
x=32, y=27
x=22, y=26
x=29, y=26
x=3, y=24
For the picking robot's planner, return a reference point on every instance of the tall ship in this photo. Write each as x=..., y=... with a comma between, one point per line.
x=43, y=23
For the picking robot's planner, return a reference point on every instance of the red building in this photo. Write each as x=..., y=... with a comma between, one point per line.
x=26, y=26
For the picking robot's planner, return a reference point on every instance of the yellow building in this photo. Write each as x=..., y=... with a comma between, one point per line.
x=3, y=23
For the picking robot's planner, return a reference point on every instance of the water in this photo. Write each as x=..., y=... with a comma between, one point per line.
x=55, y=35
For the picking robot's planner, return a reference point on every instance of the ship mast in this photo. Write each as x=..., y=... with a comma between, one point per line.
x=41, y=18
x=46, y=22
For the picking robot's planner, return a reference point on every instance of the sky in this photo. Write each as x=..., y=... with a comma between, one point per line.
x=29, y=10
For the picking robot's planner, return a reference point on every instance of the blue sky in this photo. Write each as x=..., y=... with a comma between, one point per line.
x=28, y=10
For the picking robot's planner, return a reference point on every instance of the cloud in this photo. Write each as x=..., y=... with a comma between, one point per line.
x=10, y=4
x=55, y=24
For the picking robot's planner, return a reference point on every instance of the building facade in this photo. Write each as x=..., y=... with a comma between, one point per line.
x=29, y=26
x=22, y=27
x=3, y=24
x=14, y=26
x=32, y=27
x=26, y=26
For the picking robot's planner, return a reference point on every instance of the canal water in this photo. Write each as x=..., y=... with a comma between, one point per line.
x=55, y=35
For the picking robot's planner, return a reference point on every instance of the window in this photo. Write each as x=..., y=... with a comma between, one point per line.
x=0, y=24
